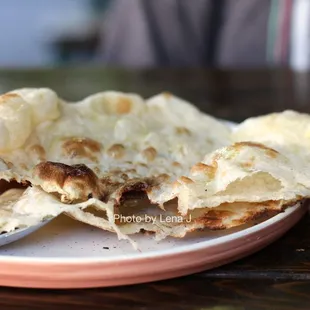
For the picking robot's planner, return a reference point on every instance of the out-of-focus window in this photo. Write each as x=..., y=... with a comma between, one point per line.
x=45, y=32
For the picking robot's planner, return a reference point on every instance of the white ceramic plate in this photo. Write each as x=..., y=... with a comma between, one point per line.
x=69, y=254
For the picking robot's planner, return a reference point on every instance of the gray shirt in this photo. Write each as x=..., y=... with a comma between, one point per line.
x=224, y=33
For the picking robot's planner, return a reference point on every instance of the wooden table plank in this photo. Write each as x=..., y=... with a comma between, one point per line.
x=288, y=258
x=227, y=94
x=193, y=292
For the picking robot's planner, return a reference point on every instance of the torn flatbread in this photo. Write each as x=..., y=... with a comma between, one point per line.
x=93, y=153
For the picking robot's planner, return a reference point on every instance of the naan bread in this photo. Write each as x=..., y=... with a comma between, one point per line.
x=103, y=146
x=20, y=208
x=24, y=211
x=93, y=154
x=242, y=172
x=170, y=223
x=288, y=132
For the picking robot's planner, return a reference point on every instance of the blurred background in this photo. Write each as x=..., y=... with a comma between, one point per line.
x=40, y=33
x=256, y=52
x=155, y=33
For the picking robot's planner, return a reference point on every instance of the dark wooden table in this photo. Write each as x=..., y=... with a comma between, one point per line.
x=277, y=277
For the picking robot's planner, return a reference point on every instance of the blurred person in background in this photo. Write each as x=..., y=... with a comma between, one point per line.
x=192, y=33
x=150, y=33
